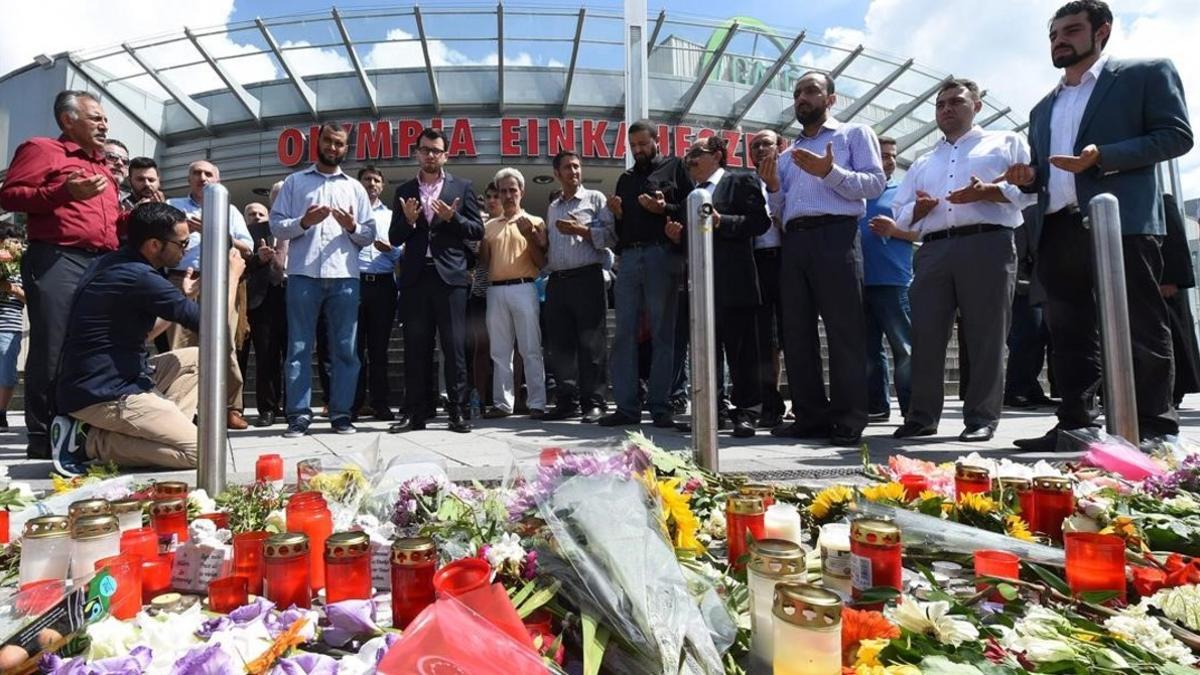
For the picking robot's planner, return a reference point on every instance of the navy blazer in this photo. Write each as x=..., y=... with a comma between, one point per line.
x=1137, y=117
x=446, y=240
x=743, y=207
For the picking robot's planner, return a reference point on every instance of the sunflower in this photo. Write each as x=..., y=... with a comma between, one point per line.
x=676, y=510
x=1017, y=528
x=977, y=503
x=887, y=492
x=830, y=503
x=860, y=626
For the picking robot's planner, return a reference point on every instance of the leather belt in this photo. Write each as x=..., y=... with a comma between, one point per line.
x=772, y=252
x=513, y=282
x=575, y=271
x=963, y=231
x=372, y=278
x=812, y=222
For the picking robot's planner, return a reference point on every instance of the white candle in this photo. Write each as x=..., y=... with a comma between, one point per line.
x=835, y=557
x=782, y=521
x=808, y=631
x=45, y=549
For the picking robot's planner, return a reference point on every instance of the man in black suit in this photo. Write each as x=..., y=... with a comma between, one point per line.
x=433, y=217
x=266, y=304
x=1104, y=128
x=740, y=208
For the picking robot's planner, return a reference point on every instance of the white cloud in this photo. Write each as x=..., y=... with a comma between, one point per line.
x=408, y=54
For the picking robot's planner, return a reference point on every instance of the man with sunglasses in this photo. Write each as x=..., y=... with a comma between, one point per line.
x=125, y=406
x=116, y=155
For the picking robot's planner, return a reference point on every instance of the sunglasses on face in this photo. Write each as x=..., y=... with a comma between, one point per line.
x=114, y=157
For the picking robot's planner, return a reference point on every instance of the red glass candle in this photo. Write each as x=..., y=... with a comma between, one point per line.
x=4, y=525
x=169, y=517
x=219, y=518
x=462, y=576
x=308, y=514
x=269, y=469
x=227, y=594
x=761, y=490
x=1095, y=562
x=996, y=564
x=413, y=563
x=169, y=489
x=142, y=542
x=971, y=480
x=285, y=580
x=1053, y=502
x=347, y=567
x=914, y=484
x=126, y=570
x=743, y=515
x=1016, y=493
x=248, y=558
x=874, y=555
x=156, y=577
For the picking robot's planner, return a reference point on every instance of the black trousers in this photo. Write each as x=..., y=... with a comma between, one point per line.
x=769, y=317
x=376, y=317
x=268, y=335
x=575, y=313
x=50, y=274
x=430, y=306
x=1028, y=342
x=821, y=276
x=1066, y=270
x=737, y=345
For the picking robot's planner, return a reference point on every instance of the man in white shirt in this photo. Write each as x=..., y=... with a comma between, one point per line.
x=768, y=251
x=967, y=263
x=326, y=218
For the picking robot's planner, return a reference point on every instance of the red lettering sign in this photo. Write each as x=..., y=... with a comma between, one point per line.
x=533, y=146
x=593, y=139
x=733, y=145
x=682, y=141
x=462, y=140
x=373, y=141
x=509, y=137
x=407, y=133
x=290, y=147
x=619, y=143
x=561, y=136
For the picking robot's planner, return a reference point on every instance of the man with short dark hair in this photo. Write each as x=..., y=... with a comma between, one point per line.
x=1104, y=128
x=650, y=268
x=67, y=191
x=819, y=187
x=326, y=218
x=144, y=183
x=576, y=303
x=139, y=408
x=376, y=304
x=434, y=215
x=266, y=310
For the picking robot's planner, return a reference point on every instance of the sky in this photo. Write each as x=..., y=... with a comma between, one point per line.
x=1002, y=45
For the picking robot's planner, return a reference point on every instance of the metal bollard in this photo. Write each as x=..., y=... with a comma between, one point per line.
x=214, y=339
x=1120, y=403
x=703, y=330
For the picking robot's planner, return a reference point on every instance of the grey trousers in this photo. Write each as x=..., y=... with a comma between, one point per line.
x=973, y=276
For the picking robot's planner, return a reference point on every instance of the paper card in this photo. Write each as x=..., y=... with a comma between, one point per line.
x=197, y=565
x=381, y=566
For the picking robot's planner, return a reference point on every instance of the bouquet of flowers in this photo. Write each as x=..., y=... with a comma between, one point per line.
x=11, y=252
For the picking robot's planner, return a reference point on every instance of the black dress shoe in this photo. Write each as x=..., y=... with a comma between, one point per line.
x=683, y=427
x=1018, y=401
x=495, y=413
x=912, y=430
x=798, y=430
x=562, y=412
x=976, y=433
x=879, y=416
x=618, y=419
x=384, y=414
x=408, y=425
x=663, y=420
x=592, y=415
x=844, y=437
x=459, y=425
x=401, y=418
x=266, y=419
x=742, y=428
x=769, y=420
x=1047, y=442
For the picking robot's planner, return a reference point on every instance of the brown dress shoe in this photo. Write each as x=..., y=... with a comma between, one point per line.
x=236, y=421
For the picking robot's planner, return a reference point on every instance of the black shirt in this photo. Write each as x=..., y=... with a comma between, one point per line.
x=637, y=225
x=114, y=309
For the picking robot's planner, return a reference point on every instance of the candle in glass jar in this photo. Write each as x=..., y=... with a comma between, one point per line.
x=743, y=519
x=170, y=489
x=126, y=571
x=834, y=543
x=874, y=555
x=761, y=490
x=772, y=561
x=1095, y=562
x=1015, y=493
x=93, y=538
x=4, y=525
x=226, y=594
x=413, y=564
x=128, y=513
x=142, y=542
x=969, y=479
x=88, y=507
x=248, y=558
x=156, y=577
x=169, y=518
x=285, y=581
x=782, y=521
x=45, y=549
x=347, y=567
x=219, y=518
x=1053, y=502
x=808, y=630
x=269, y=469
x=308, y=513
x=914, y=484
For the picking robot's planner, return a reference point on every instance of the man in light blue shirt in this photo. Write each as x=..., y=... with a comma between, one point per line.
x=200, y=173
x=376, y=304
x=326, y=218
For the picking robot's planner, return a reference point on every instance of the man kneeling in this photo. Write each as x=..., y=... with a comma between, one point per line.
x=139, y=408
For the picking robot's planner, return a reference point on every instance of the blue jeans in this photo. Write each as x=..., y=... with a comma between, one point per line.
x=10, y=348
x=337, y=301
x=647, y=279
x=888, y=314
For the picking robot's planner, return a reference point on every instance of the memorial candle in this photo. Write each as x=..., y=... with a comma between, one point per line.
x=1095, y=562
x=45, y=549
x=169, y=518
x=1053, y=502
x=761, y=490
x=772, y=561
x=286, y=571
x=413, y=564
x=808, y=630
x=347, y=567
x=743, y=518
x=874, y=555
x=782, y=521
x=969, y=479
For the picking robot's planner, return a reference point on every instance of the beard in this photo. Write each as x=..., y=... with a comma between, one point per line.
x=331, y=159
x=643, y=161
x=1074, y=57
x=811, y=116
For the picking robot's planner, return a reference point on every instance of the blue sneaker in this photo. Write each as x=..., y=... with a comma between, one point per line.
x=342, y=425
x=297, y=427
x=68, y=445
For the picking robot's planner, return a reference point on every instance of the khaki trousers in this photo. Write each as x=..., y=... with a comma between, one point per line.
x=153, y=428
x=182, y=338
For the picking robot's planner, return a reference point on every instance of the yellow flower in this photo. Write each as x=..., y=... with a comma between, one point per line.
x=887, y=492
x=1125, y=528
x=928, y=494
x=974, y=501
x=676, y=508
x=868, y=652
x=829, y=499
x=886, y=670
x=1017, y=528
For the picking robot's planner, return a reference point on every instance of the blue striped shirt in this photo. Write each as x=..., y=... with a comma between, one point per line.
x=324, y=250
x=857, y=174
x=373, y=261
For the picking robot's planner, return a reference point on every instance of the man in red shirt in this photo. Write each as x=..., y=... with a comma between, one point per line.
x=66, y=190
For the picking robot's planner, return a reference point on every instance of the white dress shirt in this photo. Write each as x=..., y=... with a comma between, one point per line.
x=1064, y=129
x=950, y=166
x=324, y=250
x=237, y=231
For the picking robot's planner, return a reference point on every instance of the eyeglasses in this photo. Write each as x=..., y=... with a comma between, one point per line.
x=114, y=157
x=426, y=150
x=694, y=153
x=181, y=244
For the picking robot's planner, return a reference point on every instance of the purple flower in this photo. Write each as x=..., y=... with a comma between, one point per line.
x=305, y=663
x=277, y=624
x=349, y=619
x=204, y=660
x=133, y=663
x=258, y=610
x=529, y=566
x=529, y=494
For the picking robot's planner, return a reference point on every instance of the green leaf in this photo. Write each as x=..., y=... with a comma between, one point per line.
x=595, y=641
x=1098, y=597
x=940, y=665
x=877, y=595
x=522, y=593
x=538, y=599
x=1007, y=591
x=1050, y=578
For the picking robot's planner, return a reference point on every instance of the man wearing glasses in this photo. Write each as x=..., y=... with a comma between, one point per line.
x=125, y=406
x=434, y=216
x=116, y=155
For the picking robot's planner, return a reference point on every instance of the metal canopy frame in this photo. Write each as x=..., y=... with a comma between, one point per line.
x=861, y=102
x=365, y=81
x=196, y=111
x=433, y=85
x=658, y=24
x=252, y=105
x=742, y=107
x=306, y=92
x=500, y=55
x=110, y=95
x=789, y=116
x=566, y=99
x=689, y=98
x=907, y=109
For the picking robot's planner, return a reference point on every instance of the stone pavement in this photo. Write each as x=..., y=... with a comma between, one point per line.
x=489, y=452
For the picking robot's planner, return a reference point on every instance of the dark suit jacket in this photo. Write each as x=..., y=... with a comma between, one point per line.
x=1137, y=117
x=259, y=275
x=743, y=208
x=446, y=240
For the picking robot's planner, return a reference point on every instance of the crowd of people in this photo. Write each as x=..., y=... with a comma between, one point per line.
x=985, y=231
